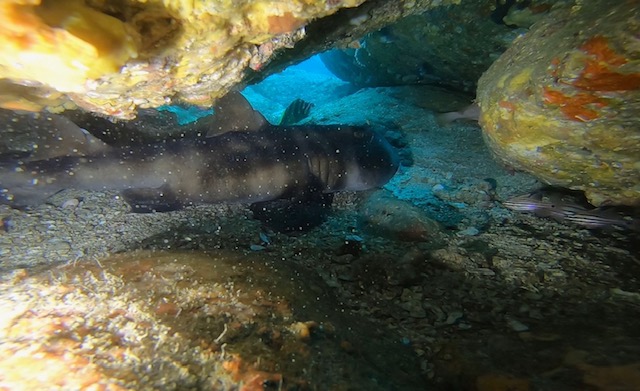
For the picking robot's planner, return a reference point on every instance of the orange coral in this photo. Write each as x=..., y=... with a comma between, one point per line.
x=510, y=107
x=600, y=71
x=598, y=47
x=252, y=380
x=578, y=107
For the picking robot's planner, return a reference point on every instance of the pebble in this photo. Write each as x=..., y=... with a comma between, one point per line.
x=454, y=317
x=470, y=231
x=344, y=259
x=536, y=314
x=8, y=224
x=412, y=302
x=436, y=311
x=625, y=295
x=71, y=203
x=516, y=325
x=417, y=312
x=483, y=271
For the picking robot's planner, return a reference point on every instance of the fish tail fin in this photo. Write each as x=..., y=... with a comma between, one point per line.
x=296, y=112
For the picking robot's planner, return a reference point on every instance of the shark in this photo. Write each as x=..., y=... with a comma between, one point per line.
x=241, y=158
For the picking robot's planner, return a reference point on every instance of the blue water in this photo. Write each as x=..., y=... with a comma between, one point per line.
x=313, y=65
x=186, y=114
x=274, y=93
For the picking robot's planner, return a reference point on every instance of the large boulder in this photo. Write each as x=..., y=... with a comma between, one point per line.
x=563, y=102
x=449, y=46
x=112, y=57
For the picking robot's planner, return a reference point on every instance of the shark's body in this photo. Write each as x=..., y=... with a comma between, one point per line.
x=252, y=165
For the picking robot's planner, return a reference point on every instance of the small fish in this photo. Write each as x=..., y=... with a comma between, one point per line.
x=571, y=207
x=296, y=112
x=540, y=206
x=525, y=203
x=605, y=217
x=469, y=113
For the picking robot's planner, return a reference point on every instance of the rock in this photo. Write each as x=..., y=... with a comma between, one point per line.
x=412, y=302
x=352, y=245
x=205, y=308
x=448, y=46
x=406, y=271
x=7, y=223
x=115, y=57
x=469, y=231
x=384, y=215
x=516, y=325
x=450, y=258
x=562, y=103
x=454, y=317
x=71, y=203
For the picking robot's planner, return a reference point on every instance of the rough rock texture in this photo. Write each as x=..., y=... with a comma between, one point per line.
x=449, y=46
x=113, y=57
x=562, y=103
x=190, y=321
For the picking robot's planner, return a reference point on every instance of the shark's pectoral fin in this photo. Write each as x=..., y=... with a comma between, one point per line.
x=149, y=200
x=297, y=213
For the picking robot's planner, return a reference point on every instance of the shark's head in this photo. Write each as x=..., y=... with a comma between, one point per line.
x=373, y=163
x=358, y=159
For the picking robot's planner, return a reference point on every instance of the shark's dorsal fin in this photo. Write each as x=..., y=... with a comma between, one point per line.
x=234, y=113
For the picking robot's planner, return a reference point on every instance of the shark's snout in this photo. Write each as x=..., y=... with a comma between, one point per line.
x=374, y=163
